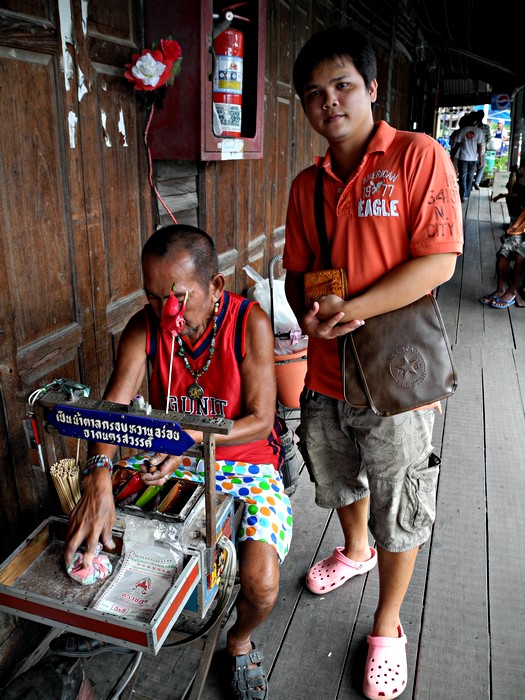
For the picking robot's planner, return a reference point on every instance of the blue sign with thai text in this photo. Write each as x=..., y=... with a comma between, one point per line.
x=128, y=430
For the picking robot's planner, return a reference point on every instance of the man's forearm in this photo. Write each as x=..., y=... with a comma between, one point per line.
x=120, y=392
x=101, y=448
x=402, y=286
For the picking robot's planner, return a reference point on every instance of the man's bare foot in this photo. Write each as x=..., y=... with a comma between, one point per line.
x=489, y=298
x=504, y=303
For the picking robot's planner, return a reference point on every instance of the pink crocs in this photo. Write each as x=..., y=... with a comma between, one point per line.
x=330, y=573
x=386, y=667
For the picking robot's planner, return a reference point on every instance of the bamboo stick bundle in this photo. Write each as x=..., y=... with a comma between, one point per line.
x=65, y=475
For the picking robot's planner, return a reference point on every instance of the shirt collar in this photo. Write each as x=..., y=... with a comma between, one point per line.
x=380, y=143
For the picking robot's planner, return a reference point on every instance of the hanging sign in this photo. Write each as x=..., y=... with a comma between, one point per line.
x=501, y=101
x=116, y=428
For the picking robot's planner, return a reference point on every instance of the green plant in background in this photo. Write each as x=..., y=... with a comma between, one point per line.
x=501, y=162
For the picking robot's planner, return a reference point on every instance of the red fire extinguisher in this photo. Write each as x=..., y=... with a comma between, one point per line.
x=228, y=47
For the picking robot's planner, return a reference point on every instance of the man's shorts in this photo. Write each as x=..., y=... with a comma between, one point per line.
x=513, y=245
x=267, y=514
x=353, y=453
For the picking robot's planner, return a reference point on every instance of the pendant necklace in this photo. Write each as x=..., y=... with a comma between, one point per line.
x=195, y=391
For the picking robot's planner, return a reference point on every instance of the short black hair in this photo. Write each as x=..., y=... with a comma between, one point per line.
x=179, y=238
x=332, y=44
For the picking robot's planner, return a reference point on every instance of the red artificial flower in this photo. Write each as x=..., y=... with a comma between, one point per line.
x=171, y=49
x=155, y=68
x=149, y=70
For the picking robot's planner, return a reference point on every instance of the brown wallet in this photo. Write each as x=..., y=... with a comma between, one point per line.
x=318, y=284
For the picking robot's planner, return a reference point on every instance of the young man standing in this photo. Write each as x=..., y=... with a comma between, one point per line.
x=393, y=218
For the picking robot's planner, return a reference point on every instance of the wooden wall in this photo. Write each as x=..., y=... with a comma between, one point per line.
x=74, y=212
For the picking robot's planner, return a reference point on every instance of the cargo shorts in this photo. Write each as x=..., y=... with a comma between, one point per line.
x=513, y=245
x=352, y=453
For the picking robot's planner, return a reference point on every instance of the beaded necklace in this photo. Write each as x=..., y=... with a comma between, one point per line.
x=195, y=391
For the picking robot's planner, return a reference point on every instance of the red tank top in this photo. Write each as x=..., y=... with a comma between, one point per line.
x=221, y=398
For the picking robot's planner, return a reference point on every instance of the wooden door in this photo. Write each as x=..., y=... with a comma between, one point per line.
x=75, y=209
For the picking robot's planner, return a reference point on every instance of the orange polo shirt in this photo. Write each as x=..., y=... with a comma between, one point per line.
x=402, y=202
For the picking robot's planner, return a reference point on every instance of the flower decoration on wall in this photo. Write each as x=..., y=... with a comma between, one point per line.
x=153, y=71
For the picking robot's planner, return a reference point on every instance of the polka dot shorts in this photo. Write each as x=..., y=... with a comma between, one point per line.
x=267, y=515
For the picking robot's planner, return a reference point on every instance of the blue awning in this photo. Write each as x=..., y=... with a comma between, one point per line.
x=495, y=115
x=498, y=115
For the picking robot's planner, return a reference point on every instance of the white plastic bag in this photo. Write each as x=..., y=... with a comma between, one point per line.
x=285, y=322
x=147, y=570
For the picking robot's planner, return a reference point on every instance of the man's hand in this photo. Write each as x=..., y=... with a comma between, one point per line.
x=329, y=306
x=157, y=470
x=323, y=320
x=92, y=519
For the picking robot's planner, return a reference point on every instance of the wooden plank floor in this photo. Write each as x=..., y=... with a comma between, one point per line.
x=464, y=613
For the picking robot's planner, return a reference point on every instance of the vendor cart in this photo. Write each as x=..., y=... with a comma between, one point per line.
x=33, y=580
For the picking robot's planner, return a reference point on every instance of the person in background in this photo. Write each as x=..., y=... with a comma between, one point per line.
x=499, y=138
x=509, y=279
x=381, y=204
x=468, y=147
x=223, y=365
x=463, y=121
x=485, y=128
x=515, y=195
x=501, y=131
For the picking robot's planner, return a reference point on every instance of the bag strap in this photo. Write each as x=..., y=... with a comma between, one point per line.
x=320, y=219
